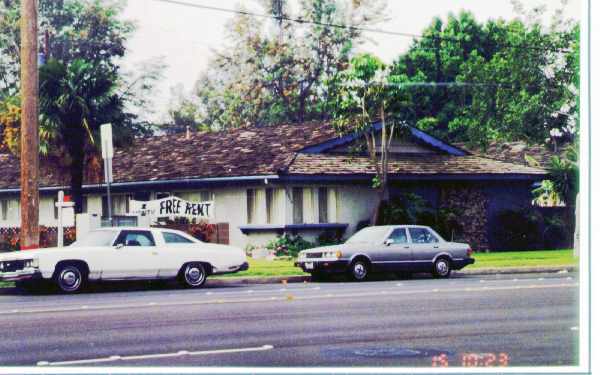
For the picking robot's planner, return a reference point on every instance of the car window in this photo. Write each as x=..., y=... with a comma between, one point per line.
x=135, y=238
x=422, y=235
x=399, y=236
x=173, y=238
x=369, y=235
x=96, y=238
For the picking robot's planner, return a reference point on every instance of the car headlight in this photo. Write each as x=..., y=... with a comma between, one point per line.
x=333, y=254
x=31, y=263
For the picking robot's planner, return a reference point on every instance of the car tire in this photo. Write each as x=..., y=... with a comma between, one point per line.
x=69, y=278
x=359, y=270
x=193, y=275
x=441, y=268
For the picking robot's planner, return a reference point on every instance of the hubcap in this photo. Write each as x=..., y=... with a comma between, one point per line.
x=194, y=275
x=360, y=270
x=70, y=279
x=442, y=267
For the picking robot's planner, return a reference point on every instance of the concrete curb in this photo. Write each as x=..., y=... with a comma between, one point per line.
x=301, y=279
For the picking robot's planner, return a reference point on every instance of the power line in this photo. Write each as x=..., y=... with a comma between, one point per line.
x=280, y=17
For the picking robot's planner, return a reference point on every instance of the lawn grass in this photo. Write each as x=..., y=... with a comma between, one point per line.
x=263, y=268
x=525, y=259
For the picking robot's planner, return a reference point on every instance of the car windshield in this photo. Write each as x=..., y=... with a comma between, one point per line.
x=97, y=238
x=369, y=235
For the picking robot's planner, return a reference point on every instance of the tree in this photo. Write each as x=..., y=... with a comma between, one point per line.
x=497, y=80
x=75, y=99
x=69, y=29
x=276, y=71
x=368, y=93
x=81, y=86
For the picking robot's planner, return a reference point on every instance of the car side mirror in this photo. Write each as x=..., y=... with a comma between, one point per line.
x=388, y=242
x=119, y=246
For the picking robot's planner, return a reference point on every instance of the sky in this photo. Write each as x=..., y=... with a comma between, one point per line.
x=185, y=38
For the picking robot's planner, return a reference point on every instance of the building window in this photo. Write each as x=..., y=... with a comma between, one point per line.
x=251, y=205
x=269, y=197
x=298, y=205
x=206, y=196
x=323, y=205
x=4, y=210
x=119, y=204
x=84, y=205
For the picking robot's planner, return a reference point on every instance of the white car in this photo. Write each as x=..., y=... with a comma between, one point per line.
x=123, y=254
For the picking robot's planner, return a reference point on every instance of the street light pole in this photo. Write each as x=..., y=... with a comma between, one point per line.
x=30, y=232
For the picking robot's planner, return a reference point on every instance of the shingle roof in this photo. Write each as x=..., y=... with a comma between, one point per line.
x=250, y=151
x=305, y=164
x=514, y=152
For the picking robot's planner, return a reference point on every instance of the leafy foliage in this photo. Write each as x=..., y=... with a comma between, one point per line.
x=287, y=245
x=476, y=82
x=273, y=72
x=409, y=208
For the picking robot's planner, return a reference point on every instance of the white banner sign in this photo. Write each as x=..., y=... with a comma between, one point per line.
x=172, y=206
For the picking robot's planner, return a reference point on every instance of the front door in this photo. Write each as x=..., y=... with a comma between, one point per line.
x=399, y=254
x=134, y=256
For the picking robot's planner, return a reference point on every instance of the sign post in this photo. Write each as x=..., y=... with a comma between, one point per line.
x=107, y=155
x=60, y=205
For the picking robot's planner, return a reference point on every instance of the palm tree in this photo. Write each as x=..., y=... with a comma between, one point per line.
x=75, y=99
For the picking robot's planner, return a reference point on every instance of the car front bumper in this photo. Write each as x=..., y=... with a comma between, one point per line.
x=459, y=264
x=21, y=275
x=323, y=266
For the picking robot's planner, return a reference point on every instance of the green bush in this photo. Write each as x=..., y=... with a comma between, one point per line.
x=288, y=245
x=411, y=208
x=517, y=230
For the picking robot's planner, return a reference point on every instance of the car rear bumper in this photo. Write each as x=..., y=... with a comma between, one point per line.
x=458, y=264
x=220, y=271
x=21, y=275
x=323, y=266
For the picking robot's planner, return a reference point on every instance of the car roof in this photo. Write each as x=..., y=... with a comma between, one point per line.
x=400, y=226
x=139, y=228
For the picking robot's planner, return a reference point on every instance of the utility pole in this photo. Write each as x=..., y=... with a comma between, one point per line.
x=30, y=198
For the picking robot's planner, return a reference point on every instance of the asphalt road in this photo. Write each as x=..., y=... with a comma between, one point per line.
x=514, y=320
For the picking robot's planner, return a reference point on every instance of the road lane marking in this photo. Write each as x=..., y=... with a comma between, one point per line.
x=575, y=328
x=180, y=353
x=284, y=298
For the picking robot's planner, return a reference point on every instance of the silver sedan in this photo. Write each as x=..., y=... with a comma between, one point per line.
x=392, y=248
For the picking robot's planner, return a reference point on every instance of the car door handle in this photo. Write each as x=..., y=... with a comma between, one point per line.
x=436, y=247
x=406, y=247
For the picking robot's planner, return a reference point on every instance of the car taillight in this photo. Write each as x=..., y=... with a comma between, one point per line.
x=469, y=252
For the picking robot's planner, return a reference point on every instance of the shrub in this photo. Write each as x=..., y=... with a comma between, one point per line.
x=413, y=209
x=288, y=245
x=329, y=238
x=517, y=230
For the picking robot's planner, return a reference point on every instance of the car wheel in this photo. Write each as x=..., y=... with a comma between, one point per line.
x=441, y=268
x=193, y=275
x=69, y=278
x=359, y=270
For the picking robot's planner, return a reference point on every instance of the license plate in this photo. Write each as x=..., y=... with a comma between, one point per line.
x=309, y=266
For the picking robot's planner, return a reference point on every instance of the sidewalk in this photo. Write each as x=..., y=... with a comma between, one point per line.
x=306, y=278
